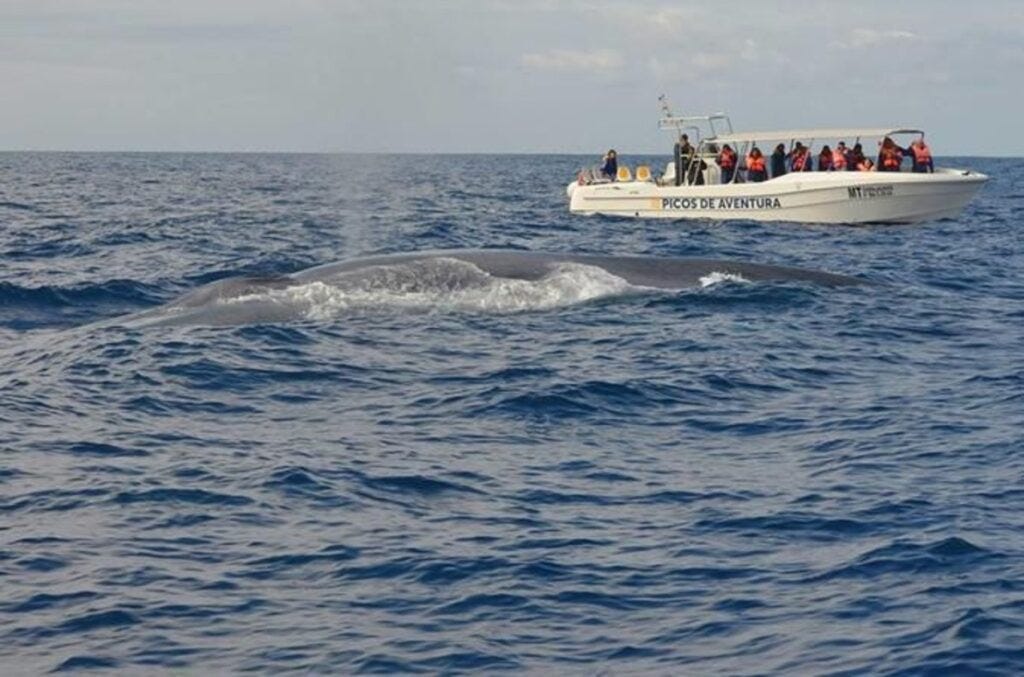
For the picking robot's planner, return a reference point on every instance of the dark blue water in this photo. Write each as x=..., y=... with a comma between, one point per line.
x=739, y=478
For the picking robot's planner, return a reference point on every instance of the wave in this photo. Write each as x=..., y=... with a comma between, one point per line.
x=109, y=292
x=25, y=307
x=17, y=205
x=718, y=278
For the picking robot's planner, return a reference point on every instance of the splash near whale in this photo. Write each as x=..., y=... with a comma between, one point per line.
x=458, y=280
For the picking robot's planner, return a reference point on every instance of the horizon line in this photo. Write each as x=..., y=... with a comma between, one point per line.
x=385, y=152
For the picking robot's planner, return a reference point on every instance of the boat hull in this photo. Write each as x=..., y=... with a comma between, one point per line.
x=812, y=197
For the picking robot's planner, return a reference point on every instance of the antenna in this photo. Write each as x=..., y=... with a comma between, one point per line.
x=668, y=115
x=665, y=108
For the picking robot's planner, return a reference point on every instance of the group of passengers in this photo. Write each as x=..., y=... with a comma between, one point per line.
x=798, y=159
x=838, y=159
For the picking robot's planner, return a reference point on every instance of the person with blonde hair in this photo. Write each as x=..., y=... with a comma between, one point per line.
x=839, y=157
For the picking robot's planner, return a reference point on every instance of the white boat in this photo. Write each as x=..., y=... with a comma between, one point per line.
x=831, y=197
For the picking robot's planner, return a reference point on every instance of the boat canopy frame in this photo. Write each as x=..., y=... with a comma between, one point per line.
x=721, y=133
x=840, y=133
x=677, y=123
x=743, y=142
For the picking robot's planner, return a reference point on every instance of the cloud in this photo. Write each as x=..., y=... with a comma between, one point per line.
x=667, y=21
x=312, y=75
x=570, y=61
x=870, y=37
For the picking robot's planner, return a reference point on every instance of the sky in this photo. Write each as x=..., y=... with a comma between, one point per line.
x=501, y=76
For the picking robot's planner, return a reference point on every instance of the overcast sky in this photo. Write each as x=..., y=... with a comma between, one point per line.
x=498, y=75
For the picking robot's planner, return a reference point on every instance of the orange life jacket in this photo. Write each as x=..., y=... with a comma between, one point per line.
x=838, y=160
x=755, y=164
x=727, y=159
x=891, y=158
x=922, y=154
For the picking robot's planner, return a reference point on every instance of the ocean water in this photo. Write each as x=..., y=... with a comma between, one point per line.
x=444, y=473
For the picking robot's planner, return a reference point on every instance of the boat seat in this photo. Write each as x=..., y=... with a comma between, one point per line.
x=643, y=173
x=624, y=174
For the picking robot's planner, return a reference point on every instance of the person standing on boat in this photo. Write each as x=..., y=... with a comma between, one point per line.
x=610, y=169
x=890, y=156
x=839, y=162
x=695, y=175
x=756, y=171
x=779, y=161
x=685, y=147
x=727, y=161
x=825, y=159
x=922, y=157
x=856, y=157
x=800, y=160
x=682, y=153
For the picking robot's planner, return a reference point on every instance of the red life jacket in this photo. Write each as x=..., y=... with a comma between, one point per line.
x=799, y=161
x=727, y=159
x=755, y=164
x=891, y=158
x=838, y=160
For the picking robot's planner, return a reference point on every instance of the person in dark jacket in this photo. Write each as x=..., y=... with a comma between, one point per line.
x=685, y=147
x=825, y=159
x=695, y=175
x=682, y=154
x=779, y=161
x=611, y=165
x=856, y=157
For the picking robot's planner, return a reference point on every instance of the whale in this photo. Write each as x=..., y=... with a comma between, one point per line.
x=488, y=279
x=644, y=271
